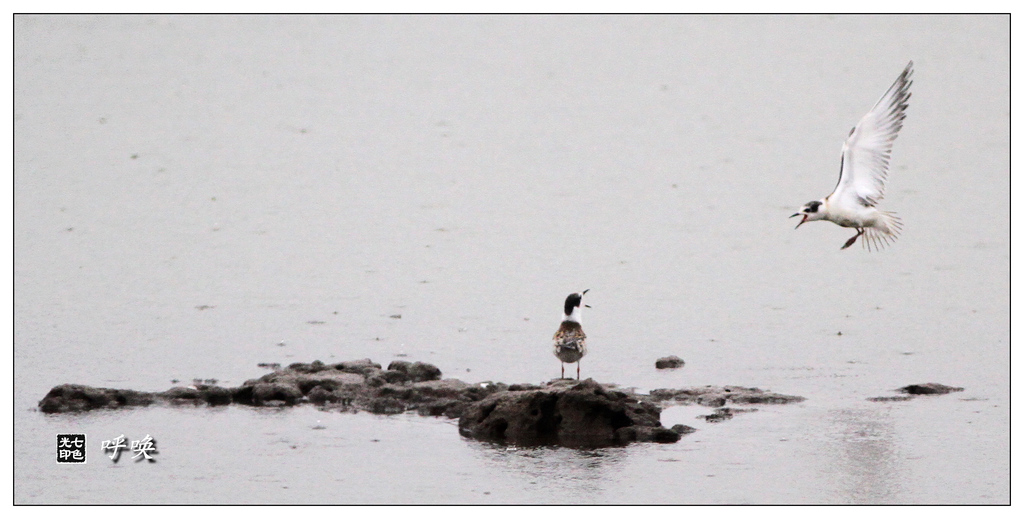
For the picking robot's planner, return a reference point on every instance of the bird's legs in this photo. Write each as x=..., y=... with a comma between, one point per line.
x=563, y=370
x=577, y=370
x=851, y=240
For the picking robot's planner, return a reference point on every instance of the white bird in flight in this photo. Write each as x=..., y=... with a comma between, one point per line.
x=863, y=171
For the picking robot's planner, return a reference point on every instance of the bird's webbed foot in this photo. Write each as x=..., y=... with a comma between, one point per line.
x=852, y=240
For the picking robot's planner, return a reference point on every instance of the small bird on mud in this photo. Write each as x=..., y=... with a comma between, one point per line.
x=863, y=171
x=570, y=341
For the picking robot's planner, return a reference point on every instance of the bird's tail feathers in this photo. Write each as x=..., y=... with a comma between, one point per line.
x=879, y=237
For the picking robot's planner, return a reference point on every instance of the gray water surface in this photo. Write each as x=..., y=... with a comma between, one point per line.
x=196, y=195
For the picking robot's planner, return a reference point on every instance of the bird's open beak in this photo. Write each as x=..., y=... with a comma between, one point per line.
x=585, y=291
x=804, y=219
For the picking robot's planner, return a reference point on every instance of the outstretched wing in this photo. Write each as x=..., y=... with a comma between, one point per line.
x=865, y=163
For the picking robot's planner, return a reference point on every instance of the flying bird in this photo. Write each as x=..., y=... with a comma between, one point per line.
x=863, y=171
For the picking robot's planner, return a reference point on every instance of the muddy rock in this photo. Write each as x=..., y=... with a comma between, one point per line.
x=717, y=396
x=264, y=393
x=559, y=412
x=416, y=371
x=580, y=414
x=76, y=397
x=197, y=395
x=449, y=407
x=312, y=367
x=724, y=413
x=913, y=390
x=181, y=395
x=683, y=429
x=645, y=433
x=930, y=388
x=363, y=367
x=320, y=396
x=670, y=362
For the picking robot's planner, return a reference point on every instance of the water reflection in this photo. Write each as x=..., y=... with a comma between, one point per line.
x=577, y=474
x=867, y=468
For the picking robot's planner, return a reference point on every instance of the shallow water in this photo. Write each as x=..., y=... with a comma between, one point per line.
x=196, y=195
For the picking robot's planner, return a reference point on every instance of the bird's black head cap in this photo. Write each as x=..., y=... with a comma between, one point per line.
x=574, y=301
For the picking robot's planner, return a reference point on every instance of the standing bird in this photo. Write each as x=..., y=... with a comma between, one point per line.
x=570, y=341
x=863, y=170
